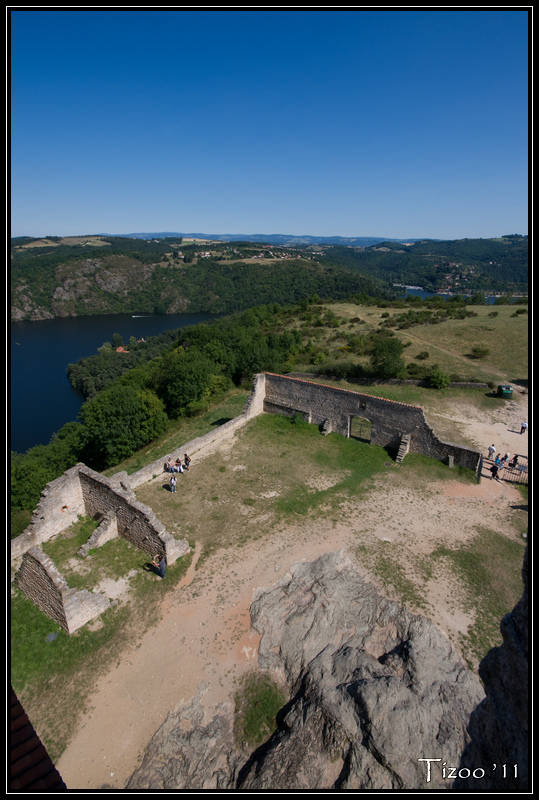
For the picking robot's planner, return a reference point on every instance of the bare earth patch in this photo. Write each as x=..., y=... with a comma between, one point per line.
x=203, y=642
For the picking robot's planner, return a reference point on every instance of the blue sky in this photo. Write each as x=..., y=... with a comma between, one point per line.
x=348, y=122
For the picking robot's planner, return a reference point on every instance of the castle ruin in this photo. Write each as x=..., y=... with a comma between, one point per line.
x=81, y=491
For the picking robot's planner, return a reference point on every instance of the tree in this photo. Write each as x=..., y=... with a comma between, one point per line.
x=118, y=421
x=386, y=357
x=183, y=378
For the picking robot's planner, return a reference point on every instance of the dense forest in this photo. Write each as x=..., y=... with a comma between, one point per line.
x=121, y=275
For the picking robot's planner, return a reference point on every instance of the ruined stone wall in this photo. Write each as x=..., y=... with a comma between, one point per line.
x=60, y=505
x=40, y=581
x=335, y=407
x=253, y=407
x=136, y=522
x=106, y=531
x=89, y=493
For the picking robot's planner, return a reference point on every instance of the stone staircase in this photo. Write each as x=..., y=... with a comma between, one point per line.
x=404, y=447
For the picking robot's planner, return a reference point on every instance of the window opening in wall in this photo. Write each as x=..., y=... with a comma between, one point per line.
x=360, y=428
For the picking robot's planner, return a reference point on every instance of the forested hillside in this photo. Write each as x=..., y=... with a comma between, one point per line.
x=136, y=396
x=463, y=265
x=107, y=275
x=119, y=275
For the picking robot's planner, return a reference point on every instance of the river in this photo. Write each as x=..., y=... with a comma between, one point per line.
x=42, y=399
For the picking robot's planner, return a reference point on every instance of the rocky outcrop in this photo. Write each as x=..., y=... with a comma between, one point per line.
x=497, y=757
x=374, y=688
x=190, y=752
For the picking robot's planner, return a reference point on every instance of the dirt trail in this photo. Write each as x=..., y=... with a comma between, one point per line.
x=203, y=641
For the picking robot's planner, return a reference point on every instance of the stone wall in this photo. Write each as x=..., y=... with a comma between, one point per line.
x=60, y=505
x=105, y=532
x=41, y=582
x=334, y=408
x=136, y=522
x=200, y=445
x=82, y=491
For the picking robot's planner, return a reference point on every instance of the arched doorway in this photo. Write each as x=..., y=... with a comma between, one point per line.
x=360, y=428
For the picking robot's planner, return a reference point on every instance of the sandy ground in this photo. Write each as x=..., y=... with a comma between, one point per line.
x=203, y=641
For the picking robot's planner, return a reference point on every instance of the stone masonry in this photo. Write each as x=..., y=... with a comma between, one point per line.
x=82, y=491
x=41, y=582
x=334, y=408
x=105, y=532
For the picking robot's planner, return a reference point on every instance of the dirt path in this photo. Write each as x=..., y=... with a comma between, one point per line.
x=203, y=641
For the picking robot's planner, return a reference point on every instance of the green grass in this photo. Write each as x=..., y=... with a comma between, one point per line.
x=34, y=660
x=489, y=568
x=113, y=559
x=53, y=678
x=448, y=343
x=257, y=703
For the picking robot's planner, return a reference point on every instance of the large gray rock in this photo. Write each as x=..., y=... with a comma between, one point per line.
x=374, y=690
x=375, y=687
x=190, y=752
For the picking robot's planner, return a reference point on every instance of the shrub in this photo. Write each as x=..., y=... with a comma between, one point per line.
x=417, y=371
x=438, y=379
x=479, y=352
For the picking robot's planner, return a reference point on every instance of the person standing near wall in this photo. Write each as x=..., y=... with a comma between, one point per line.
x=173, y=481
x=160, y=563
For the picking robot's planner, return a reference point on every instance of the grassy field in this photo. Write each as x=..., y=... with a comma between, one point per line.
x=53, y=672
x=449, y=344
x=269, y=478
x=278, y=475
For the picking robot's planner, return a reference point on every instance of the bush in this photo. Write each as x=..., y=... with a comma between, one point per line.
x=438, y=379
x=479, y=352
x=418, y=371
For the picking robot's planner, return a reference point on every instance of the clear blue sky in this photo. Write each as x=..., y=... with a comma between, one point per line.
x=350, y=122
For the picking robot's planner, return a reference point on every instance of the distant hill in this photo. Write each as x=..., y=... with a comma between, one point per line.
x=269, y=238
x=171, y=273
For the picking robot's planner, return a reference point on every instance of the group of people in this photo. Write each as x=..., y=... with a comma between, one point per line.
x=499, y=462
x=176, y=466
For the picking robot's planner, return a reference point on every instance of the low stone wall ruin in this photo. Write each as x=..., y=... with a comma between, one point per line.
x=83, y=492
x=41, y=582
x=60, y=505
x=334, y=408
x=106, y=531
x=91, y=494
x=253, y=407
